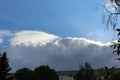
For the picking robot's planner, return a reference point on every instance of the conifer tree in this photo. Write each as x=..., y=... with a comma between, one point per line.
x=85, y=73
x=4, y=66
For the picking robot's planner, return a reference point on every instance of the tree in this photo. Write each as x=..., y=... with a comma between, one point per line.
x=116, y=76
x=24, y=74
x=112, y=10
x=108, y=73
x=4, y=66
x=40, y=73
x=85, y=73
x=45, y=73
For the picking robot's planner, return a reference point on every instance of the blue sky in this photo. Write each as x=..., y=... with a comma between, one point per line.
x=64, y=18
x=60, y=33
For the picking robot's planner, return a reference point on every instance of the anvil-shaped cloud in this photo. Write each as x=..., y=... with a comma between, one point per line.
x=29, y=37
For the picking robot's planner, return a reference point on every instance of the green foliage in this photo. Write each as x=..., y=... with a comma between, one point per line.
x=116, y=76
x=45, y=73
x=40, y=73
x=112, y=19
x=116, y=45
x=108, y=73
x=85, y=73
x=24, y=74
x=4, y=66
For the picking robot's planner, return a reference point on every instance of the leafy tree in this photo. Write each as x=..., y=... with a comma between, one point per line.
x=108, y=73
x=110, y=18
x=45, y=73
x=40, y=73
x=4, y=66
x=85, y=73
x=116, y=76
x=112, y=11
x=24, y=74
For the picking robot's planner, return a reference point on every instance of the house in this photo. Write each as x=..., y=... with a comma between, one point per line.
x=67, y=75
x=70, y=75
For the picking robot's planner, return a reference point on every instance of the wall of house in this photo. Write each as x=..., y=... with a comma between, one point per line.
x=66, y=78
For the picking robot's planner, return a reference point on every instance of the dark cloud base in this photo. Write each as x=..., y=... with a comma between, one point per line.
x=63, y=54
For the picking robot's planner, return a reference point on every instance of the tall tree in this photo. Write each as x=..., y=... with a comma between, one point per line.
x=4, y=66
x=85, y=73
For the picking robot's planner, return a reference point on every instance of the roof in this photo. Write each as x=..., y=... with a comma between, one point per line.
x=67, y=73
x=97, y=72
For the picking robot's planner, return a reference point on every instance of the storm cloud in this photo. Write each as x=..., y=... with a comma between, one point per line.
x=59, y=53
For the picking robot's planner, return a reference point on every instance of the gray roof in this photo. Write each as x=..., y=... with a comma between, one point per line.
x=67, y=73
x=97, y=72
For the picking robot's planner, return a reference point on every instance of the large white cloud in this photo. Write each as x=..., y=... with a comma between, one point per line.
x=62, y=54
x=29, y=37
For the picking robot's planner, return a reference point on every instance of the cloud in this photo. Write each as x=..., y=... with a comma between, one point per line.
x=4, y=33
x=62, y=54
x=4, y=36
x=29, y=37
x=1, y=40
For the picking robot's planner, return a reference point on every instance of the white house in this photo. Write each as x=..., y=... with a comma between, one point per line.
x=70, y=75
x=67, y=75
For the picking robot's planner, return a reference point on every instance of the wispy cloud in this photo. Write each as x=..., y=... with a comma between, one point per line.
x=4, y=33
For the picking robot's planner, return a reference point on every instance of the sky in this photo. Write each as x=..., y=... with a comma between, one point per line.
x=60, y=33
